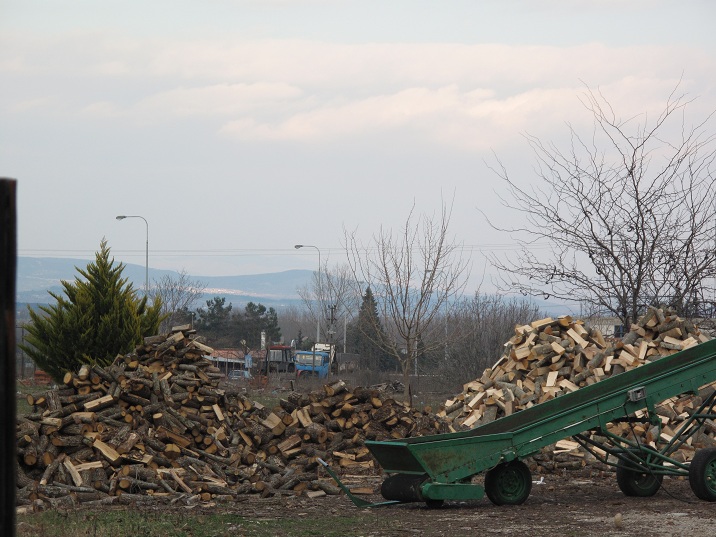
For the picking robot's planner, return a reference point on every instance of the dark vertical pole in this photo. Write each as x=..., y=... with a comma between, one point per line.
x=8, y=266
x=22, y=353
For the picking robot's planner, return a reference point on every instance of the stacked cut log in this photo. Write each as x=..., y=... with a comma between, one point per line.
x=552, y=357
x=156, y=425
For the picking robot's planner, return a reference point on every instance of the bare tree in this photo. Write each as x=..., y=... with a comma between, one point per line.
x=331, y=297
x=294, y=321
x=414, y=274
x=485, y=322
x=625, y=215
x=178, y=295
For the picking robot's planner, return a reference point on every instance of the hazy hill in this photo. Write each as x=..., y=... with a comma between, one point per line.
x=38, y=275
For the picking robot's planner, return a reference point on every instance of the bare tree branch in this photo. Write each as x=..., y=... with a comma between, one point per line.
x=625, y=217
x=415, y=274
x=178, y=295
x=337, y=290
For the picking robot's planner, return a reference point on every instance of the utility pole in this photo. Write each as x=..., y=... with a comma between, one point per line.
x=332, y=321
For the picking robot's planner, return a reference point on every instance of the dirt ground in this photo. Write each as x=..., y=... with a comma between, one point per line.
x=564, y=505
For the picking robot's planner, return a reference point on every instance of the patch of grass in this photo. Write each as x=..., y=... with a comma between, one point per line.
x=268, y=400
x=433, y=403
x=129, y=523
x=23, y=390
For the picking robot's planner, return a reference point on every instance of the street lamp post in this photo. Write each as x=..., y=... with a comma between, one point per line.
x=146, y=269
x=318, y=323
x=318, y=315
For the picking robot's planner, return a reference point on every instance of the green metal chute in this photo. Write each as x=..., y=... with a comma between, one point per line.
x=450, y=460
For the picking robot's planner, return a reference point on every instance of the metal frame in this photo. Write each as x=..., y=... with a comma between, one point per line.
x=657, y=460
x=450, y=460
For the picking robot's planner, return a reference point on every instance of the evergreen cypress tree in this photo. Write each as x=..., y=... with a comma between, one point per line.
x=369, y=335
x=273, y=330
x=99, y=317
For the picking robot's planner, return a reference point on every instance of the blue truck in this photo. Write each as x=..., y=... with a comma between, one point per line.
x=316, y=362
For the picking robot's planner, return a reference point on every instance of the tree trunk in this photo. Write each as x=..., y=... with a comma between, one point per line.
x=408, y=395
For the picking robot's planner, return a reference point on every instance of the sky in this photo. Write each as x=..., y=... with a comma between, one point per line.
x=239, y=128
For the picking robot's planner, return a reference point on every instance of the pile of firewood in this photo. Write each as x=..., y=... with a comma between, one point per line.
x=156, y=425
x=551, y=357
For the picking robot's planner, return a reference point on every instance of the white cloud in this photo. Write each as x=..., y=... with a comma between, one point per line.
x=469, y=120
x=27, y=105
x=102, y=110
x=218, y=100
x=472, y=96
x=114, y=68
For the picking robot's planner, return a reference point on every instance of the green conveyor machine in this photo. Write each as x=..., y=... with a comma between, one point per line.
x=436, y=468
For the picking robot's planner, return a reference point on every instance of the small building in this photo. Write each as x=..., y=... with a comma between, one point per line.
x=228, y=360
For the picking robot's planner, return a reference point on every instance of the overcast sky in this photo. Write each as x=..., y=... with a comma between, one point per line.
x=239, y=128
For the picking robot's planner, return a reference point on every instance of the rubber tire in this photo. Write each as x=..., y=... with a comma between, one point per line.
x=702, y=474
x=635, y=483
x=403, y=488
x=509, y=483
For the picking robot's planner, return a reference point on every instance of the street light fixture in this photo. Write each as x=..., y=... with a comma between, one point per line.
x=318, y=322
x=146, y=270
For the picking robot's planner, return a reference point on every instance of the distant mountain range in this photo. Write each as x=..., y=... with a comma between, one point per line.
x=38, y=275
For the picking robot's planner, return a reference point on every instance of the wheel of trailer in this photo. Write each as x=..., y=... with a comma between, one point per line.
x=702, y=474
x=509, y=483
x=640, y=481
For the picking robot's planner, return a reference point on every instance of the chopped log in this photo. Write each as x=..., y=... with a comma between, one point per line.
x=336, y=388
x=172, y=451
x=99, y=403
x=289, y=443
x=316, y=433
x=51, y=469
x=304, y=417
x=107, y=451
x=325, y=486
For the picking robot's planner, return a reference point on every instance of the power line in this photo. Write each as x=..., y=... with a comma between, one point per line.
x=243, y=252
